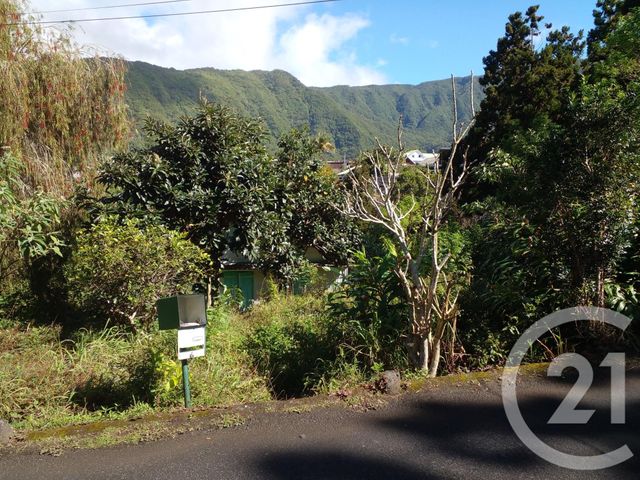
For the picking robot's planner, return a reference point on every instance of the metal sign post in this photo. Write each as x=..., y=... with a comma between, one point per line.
x=191, y=344
x=185, y=383
x=187, y=314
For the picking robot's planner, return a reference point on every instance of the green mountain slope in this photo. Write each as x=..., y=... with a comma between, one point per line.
x=351, y=116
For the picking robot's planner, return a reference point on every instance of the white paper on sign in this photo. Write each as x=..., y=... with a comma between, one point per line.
x=191, y=339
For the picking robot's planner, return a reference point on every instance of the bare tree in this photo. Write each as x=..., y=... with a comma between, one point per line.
x=373, y=197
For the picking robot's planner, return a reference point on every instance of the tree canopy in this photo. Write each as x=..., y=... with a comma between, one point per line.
x=558, y=142
x=211, y=176
x=61, y=108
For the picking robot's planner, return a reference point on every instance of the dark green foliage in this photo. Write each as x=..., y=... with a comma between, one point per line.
x=371, y=317
x=210, y=176
x=560, y=225
x=314, y=342
x=117, y=272
x=606, y=17
x=512, y=285
x=523, y=83
x=305, y=193
x=351, y=116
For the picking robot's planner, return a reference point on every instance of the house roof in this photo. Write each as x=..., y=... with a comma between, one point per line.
x=232, y=259
x=416, y=157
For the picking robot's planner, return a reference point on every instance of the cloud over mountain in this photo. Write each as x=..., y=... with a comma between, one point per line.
x=314, y=47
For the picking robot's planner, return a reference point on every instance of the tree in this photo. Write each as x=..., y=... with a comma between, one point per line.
x=430, y=290
x=60, y=109
x=583, y=169
x=208, y=176
x=305, y=191
x=523, y=82
x=562, y=213
x=211, y=177
x=606, y=17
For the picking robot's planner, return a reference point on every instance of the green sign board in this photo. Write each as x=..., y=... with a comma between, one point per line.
x=182, y=311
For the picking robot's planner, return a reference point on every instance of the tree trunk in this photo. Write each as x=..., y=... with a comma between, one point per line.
x=434, y=361
x=209, y=292
x=419, y=352
x=600, y=287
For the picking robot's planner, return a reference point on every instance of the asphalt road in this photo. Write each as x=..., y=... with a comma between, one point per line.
x=453, y=431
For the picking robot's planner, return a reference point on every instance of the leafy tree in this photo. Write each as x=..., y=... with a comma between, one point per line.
x=117, y=272
x=211, y=177
x=559, y=225
x=60, y=110
x=305, y=192
x=523, y=82
x=207, y=176
x=606, y=17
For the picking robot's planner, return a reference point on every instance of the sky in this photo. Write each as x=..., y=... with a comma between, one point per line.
x=347, y=42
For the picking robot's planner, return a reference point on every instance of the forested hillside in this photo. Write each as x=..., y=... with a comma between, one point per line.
x=351, y=116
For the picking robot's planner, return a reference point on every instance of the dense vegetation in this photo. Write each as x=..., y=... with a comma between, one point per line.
x=350, y=117
x=556, y=198
x=535, y=208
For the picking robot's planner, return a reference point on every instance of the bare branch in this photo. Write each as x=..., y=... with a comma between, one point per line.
x=373, y=197
x=455, y=109
x=473, y=97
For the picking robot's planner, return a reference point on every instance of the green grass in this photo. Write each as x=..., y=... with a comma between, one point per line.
x=283, y=347
x=47, y=382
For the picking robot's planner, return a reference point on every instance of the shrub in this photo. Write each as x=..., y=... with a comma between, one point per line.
x=27, y=225
x=117, y=272
x=291, y=342
x=370, y=315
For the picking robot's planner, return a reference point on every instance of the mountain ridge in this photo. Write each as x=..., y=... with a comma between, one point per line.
x=352, y=117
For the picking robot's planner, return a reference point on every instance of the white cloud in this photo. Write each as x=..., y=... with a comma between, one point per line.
x=314, y=48
x=309, y=49
x=397, y=39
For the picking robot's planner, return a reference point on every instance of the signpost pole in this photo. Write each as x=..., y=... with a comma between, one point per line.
x=188, y=315
x=185, y=383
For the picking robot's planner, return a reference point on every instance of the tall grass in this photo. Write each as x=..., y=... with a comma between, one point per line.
x=47, y=381
x=288, y=346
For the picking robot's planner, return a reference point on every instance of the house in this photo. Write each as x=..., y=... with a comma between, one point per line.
x=413, y=157
x=340, y=167
x=240, y=275
x=416, y=157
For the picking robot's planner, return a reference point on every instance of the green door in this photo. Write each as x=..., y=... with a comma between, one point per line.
x=242, y=282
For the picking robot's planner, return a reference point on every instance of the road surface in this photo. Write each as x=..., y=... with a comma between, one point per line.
x=453, y=431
